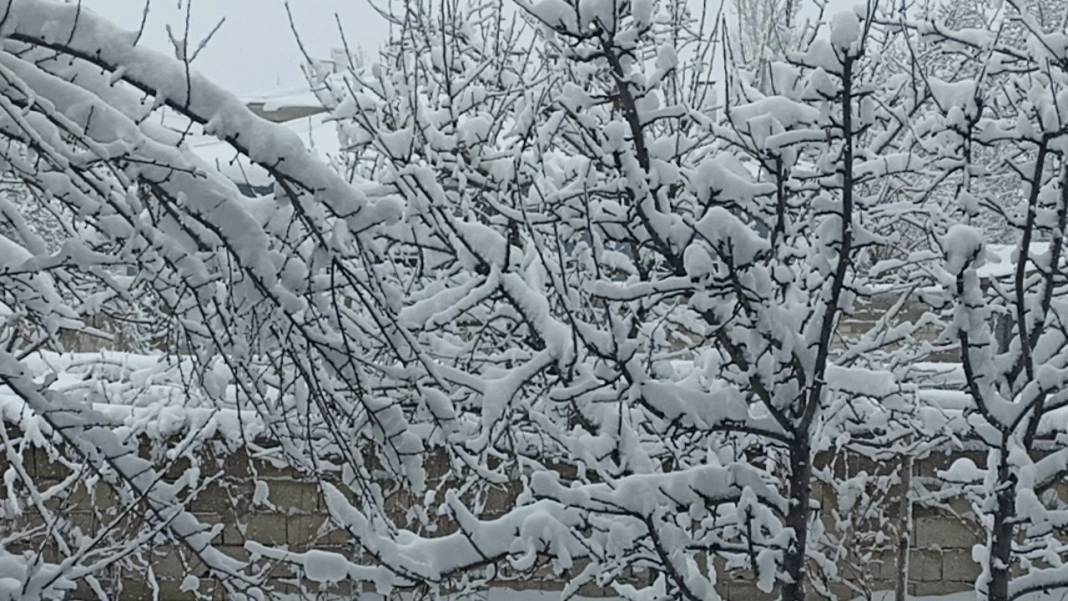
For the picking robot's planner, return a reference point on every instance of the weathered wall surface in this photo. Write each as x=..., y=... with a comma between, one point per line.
x=939, y=559
x=294, y=516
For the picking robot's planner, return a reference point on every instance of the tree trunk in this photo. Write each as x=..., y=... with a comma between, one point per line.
x=1000, y=558
x=904, y=534
x=797, y=518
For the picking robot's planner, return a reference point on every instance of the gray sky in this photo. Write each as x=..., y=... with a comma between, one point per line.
x=254, y=52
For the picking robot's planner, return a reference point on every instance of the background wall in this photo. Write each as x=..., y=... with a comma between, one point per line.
x=294, y=514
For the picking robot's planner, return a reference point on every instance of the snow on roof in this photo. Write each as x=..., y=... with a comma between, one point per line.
x=277, y=100
x=318, y=134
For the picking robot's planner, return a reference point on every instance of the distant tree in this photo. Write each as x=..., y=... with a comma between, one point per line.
x=140, y=221
x=631, y=294
x=763, y=34
x=555, y=270
x=1010, y=113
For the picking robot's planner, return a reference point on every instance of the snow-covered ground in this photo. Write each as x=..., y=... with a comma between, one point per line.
x=968, y=596
x=536, y=595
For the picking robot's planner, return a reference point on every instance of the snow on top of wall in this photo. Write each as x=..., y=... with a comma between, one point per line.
x=141, y=395
x=144, y=395
x=1001, y=259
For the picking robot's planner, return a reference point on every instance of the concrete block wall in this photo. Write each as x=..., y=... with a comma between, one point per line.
x=943, y=538
x=940, y=542
x=296, y=516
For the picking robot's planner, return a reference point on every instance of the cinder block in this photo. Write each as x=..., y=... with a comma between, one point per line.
x=171, y=569
x=237, y=465
x=748, y=591
x=210, y=521
x=264, y=528
x=593, y=590
x=941, y=587
x=224, y=495
x=273, y=466
x=170, y=589
x=398, y=503
x=174, y=468
x=83, y=520
x=825, y=495
x=307, y=589
x=957, y=506
x=499, y=499
x=100, y=497
x=135, y=587
x=306, y=531
x=46, y=469
x=293, y=496
x=84, y=592
x=932, y=533
x=958, y=565
x=236, y=551
x=876, y=585
x=842, y=592
x=885, y=567
x=173, y=561
x=925, y=566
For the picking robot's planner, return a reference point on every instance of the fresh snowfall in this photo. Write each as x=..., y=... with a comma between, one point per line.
x=540, y=300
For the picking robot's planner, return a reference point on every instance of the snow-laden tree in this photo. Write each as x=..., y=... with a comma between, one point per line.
x=276, y=302
x=564, y=307
x=1005, y=308
x=628, y=293
x=763, y=33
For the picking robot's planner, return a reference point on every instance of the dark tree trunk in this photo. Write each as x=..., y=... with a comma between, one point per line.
x=797, y=518
x=1000, y=559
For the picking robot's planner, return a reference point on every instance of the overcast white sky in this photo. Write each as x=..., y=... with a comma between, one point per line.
x=254, y=52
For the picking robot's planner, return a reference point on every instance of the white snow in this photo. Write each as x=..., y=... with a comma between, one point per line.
x=845, y=29
x=962, y=245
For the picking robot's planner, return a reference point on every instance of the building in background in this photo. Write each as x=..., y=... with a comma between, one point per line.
x=297, y=110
